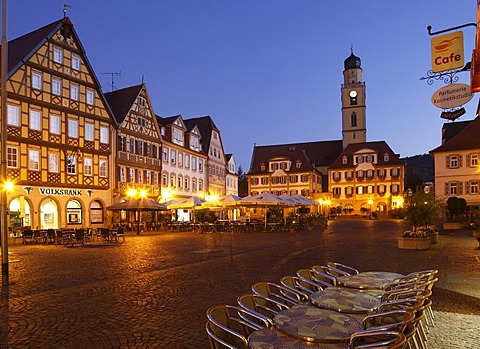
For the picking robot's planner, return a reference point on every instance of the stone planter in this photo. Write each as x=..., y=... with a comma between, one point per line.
x=452, y=226
x=414, y=243
x=433, y=237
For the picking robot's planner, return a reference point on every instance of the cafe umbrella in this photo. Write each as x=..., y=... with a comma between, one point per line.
x=137, y=205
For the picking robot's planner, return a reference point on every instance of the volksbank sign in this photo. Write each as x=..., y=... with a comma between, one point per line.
x=60, y=192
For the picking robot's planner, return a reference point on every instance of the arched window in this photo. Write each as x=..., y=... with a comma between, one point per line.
x=74, y=212
x=96, y=212
x=353, y=119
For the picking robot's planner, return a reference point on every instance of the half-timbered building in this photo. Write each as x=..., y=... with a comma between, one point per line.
x=138, y=162
x=59, y=132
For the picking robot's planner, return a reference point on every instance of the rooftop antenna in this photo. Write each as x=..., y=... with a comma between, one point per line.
x=65, y=6
x=119, y=73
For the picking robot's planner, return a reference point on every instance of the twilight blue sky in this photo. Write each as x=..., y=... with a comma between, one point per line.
x=269, y=71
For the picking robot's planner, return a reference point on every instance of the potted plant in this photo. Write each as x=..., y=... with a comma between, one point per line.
x=421, y=211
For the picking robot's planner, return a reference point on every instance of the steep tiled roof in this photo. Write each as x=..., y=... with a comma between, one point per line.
x=121, y=101
x=23, y=47
x=379, y=147
x=450, y=129
x=310, y=154
x=467, y=138
x=205, y=125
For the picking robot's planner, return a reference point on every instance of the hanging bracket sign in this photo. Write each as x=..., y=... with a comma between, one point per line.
x=447, y=52
x=451, y=96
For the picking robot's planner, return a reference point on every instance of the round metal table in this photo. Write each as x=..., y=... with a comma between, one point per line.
x=345, y=300
x=372, y=280
x=316, y=325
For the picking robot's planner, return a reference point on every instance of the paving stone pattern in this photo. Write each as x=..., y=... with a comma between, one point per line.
x=152, y=291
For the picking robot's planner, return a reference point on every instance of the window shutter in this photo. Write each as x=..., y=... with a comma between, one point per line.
x=446, y=189
x=460, y=160
x=467, y=187
x=447, y=161
x=467, y=159
x=460, y=187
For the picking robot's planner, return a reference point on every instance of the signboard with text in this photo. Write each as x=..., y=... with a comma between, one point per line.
x=447, y=52
x=452, y=96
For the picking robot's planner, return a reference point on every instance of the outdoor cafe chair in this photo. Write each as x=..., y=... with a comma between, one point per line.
x=316, y=277
x=38, y=236
x=277, y=293
x=343, y=268
x=226, y=326
x=261, y=305
x=120, y=234
x=51, y=236
x=300, y=285
x=105, y=234
x=79, y=236
x=27, y=236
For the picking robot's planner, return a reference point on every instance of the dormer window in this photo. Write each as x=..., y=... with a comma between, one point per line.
x=344, y=160
x=386, y=157
x=177, y=136
x=262, y=167
x=298, y=164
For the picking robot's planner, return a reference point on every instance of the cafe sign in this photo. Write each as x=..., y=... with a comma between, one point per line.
x=447, y=52
x=452, y=96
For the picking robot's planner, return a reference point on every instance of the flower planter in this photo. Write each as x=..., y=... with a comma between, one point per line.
x=452, y=226
x=433, y=237
x=292, y=230
x=409, y=243
x=309, y=227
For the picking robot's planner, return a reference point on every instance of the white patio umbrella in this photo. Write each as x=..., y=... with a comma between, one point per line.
x=229, y=200
x=188, y=203
x=264, y=200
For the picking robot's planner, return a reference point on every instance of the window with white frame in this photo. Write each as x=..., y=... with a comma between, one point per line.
x=35, y=121
x=13, y=117
x=12, y=157
x=200, y=165
x=359, y=190
x=165, y=154
x=56, y=86
x=453, y=161
x=254, y=181
x=386, y=157
x=89, y=131
x=349, y=191
x=121, y=174
x=177, y=136
x=36, y=80
x=305, y=178
x=264, y=180
x=187, y=161
x=53, y=159
x=71, y=164
x=344, y=160
x=75, y=62
x=473, y=187
x=172, y=180
x=57, y=55
x=453, y=190
x=382, y=189
x=395, y=188
x=131, y=175
x=165, y=179
x=349, y=175
x=194, y=163
x=72, y=128
x=74, y=92
x=180, y=182
x=173, y=157
x=102, y=168
x=140, y=176
x=293, y=178
x=337, y=191
x=88, y=166
x=194, y=184
x=360, y=174
x=90, y=97
x=381, y=173
x=369, y=158
x=473, y=160
x=54, y=124
x=104, y=135
x=148, y=177
x=369, y=189
x=186, y=185
x=131, y=147
x=180, y=159
x=369, y=174
x=394, y=172
x=155, y=178
x=336, y=176
x=200, y=184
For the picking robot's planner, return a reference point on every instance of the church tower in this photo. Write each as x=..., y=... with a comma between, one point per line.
x=354, y=123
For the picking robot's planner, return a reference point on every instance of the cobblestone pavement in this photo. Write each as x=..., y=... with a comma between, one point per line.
x=152, y=291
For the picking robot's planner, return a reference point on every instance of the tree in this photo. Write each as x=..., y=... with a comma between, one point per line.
x=242, y=182
x=456, y=207
x=422, y=209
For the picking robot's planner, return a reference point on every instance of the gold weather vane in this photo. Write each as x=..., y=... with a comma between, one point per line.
x=65, y=6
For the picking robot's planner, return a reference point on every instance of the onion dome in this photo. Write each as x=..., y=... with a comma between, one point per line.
x=352, y=62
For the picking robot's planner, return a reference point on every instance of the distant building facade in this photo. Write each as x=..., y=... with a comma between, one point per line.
x=457, y=164
x=231, y=182
x=349, y=175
